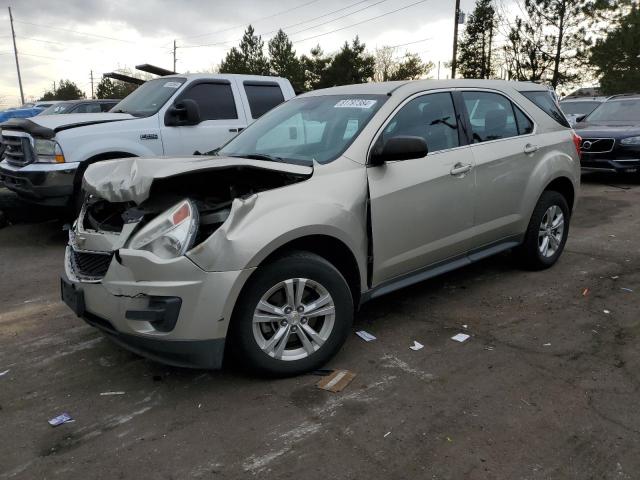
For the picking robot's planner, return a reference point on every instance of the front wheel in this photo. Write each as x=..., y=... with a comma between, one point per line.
x=293, y=316
x=547, y=233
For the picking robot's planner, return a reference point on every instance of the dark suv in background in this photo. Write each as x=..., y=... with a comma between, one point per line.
x=611, y=136
x=81, y=106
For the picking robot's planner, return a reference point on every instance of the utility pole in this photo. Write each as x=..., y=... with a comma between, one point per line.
x=174, y=55
x=438, y=69
x=454, y=62
x=92, y=96
x=15, y=51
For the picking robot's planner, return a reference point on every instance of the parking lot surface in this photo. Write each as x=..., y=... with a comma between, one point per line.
x=546, y=387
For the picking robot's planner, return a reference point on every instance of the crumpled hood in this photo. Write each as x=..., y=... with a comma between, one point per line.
x=54, y=122
x=130, y=179
x=608, y=129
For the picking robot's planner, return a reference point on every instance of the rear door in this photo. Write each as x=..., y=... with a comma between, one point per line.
x=505, y=152
x=221, y=116
x=422, y=209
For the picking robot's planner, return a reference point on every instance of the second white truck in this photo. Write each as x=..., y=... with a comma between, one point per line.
x=44, y=157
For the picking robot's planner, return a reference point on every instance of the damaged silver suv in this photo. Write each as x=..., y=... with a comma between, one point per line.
x=263, y=249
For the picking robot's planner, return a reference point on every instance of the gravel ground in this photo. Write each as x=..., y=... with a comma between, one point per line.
x=546, y=388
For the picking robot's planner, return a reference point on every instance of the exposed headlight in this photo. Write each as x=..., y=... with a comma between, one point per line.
x=630, y=141
x=48, y=151
x=171, y=233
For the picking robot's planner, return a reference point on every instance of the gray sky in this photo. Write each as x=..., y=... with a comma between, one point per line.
x=69, y=38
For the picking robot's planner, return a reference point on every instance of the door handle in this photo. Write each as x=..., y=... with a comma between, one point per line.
x=460, y=169
x=529, y=148
x=234, y=130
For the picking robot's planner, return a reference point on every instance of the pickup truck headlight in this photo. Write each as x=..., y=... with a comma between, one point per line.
x=630, y=141
x=48, y=151
x=171, y=233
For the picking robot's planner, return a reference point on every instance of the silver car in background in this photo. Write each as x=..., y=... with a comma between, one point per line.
x=264, y=248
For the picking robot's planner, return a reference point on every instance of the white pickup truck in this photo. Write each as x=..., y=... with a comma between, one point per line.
x=44, y=157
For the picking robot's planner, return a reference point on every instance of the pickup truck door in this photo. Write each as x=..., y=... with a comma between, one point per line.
x=222, y=117
x=422, y=209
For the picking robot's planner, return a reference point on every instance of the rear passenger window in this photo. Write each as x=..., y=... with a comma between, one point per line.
x=262, y=97
x=491, y=116
x=215, y=101
x=431, y=117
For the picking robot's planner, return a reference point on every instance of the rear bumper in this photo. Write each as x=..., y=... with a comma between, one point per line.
x=43, y=183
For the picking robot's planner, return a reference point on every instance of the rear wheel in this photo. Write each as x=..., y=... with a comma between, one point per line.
x=547, y=232
x=293, y=316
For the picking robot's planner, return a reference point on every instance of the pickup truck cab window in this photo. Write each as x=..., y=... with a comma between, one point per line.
x=149, y=97
x=432, y=117
x=314, y=128
x=215, y=100
x=262, y=96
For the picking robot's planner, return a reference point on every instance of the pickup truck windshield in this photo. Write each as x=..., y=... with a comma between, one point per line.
x=149, y=97
x=306, y=129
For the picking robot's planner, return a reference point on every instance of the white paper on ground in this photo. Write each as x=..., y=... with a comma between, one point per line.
x=366, y=336
x=461, y=337
x=2, y=374
x=416, y=346
x=104, y=394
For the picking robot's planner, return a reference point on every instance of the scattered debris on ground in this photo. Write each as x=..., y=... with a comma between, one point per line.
x=416, y=346
x=461, y=337
x=366, y=336
x=60, y=419
x=337, y=381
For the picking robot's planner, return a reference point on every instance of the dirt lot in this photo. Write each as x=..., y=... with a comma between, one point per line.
x=546, y=388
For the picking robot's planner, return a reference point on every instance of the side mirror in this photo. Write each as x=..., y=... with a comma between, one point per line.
x=183, y=113
x=399, y=148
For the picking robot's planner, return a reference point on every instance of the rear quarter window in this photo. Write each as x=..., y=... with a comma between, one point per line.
x=544, y=101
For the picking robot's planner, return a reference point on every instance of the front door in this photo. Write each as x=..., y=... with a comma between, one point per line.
x=221, y=113
x=422, y=209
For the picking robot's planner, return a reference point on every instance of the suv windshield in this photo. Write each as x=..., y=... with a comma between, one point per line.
x=578, y=108
x=627, y=110
x=58, y=108
x=306, y=129
x=149, y=97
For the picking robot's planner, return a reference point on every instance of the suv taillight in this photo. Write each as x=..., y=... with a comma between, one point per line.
x=577, y=141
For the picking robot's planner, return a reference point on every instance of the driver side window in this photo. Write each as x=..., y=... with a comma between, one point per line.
x=432, y=117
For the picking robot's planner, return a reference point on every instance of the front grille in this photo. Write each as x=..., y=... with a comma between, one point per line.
x=597, y=145
x=17, y=149
x=89, y=265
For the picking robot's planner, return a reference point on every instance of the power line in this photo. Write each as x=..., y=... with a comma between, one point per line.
x=359, y=23
x=255, y=20
x=77, y=32
x=300, y=23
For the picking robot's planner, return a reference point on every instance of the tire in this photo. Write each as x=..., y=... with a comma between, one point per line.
x=531, y=253
x=251, y=341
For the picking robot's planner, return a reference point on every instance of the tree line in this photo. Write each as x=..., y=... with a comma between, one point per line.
x=559, y=42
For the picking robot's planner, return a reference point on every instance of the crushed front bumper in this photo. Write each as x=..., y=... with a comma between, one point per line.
x=171, y=311
x=43, y=183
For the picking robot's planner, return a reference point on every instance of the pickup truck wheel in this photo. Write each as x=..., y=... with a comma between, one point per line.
x=547, y=232
x=293, y=316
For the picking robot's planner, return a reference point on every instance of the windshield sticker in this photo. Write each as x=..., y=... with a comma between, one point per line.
x=172, y=85
x=355, y=103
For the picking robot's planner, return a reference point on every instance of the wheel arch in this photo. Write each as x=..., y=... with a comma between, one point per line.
x=97, y=158
x=564, y=186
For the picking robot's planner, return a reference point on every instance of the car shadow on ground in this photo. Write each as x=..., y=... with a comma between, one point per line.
x=14, y=211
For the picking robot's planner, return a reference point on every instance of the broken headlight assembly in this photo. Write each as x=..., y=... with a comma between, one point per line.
x=171, y=233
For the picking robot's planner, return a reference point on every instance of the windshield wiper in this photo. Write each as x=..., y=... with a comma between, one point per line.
x=119, y=111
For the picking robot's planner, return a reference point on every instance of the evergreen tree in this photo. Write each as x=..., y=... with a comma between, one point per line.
x=65, y=90
x=616, y=58
x=410, y=68
x=476, y=46
x=283, y=61
x=350, y=65
x=248, y=58
x=108, y=88
x=314, y=67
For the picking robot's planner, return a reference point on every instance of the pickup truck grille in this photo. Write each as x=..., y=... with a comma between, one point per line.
x=17, y=149
x=597, y=145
